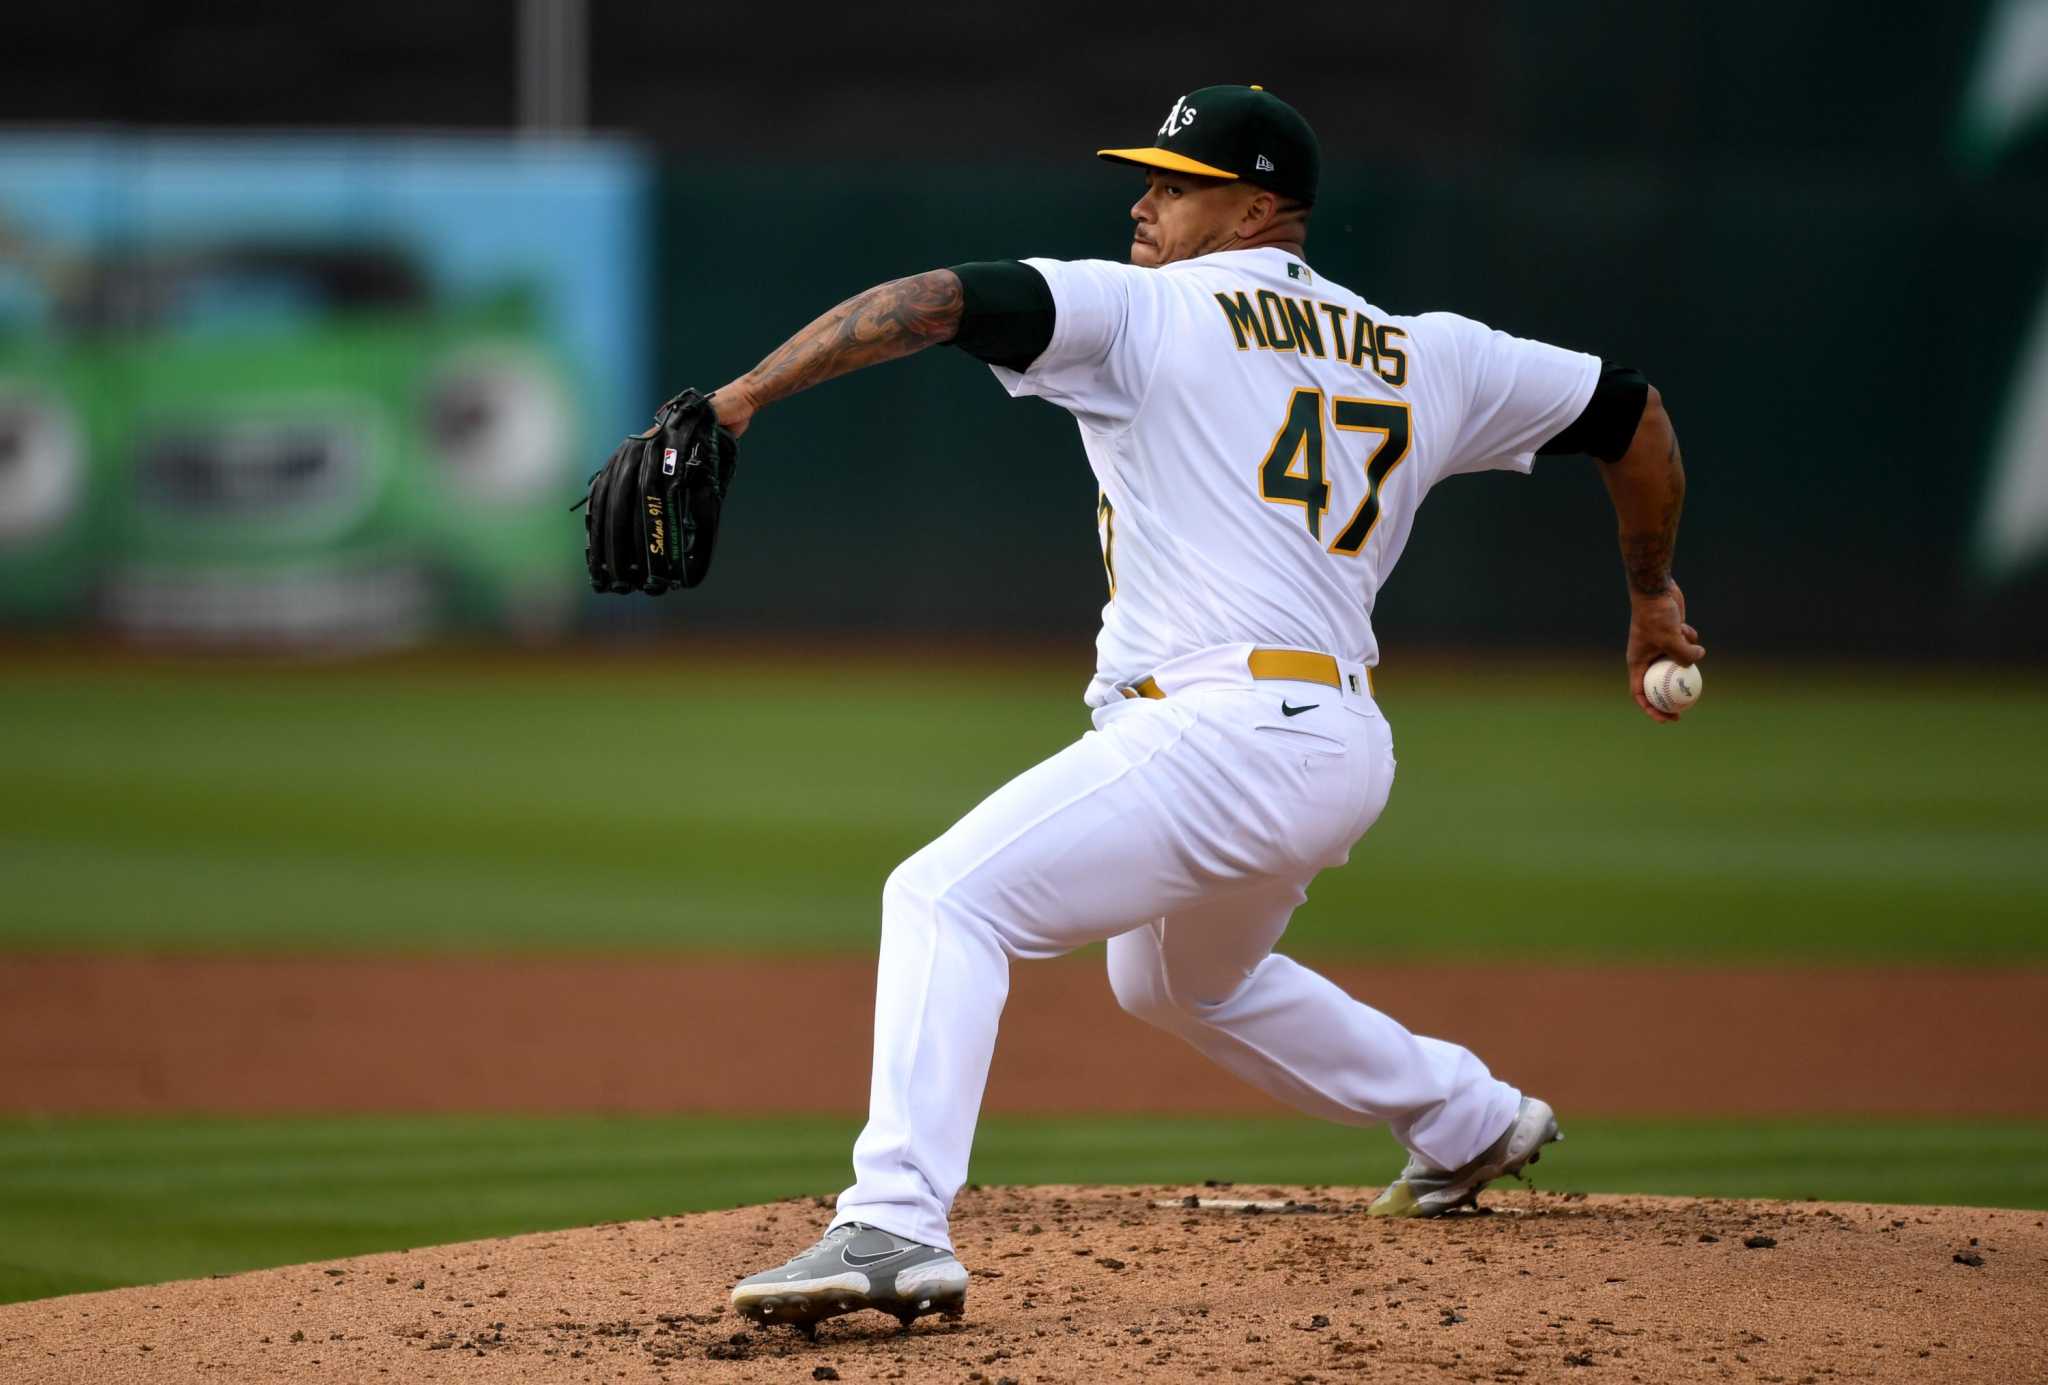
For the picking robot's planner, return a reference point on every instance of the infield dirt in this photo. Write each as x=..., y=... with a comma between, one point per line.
x=1092, y=1284
x=141, y=1035
x=1071, y=1284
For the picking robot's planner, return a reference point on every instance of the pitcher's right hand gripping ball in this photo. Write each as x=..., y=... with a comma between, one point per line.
x=650, y=519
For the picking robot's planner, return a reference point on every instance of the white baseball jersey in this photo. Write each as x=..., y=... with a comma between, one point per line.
x=1263, y=437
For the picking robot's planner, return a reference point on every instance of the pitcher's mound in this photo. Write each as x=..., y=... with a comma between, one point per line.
x=1092, y=1284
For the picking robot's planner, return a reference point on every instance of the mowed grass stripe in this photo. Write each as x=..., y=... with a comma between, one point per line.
x=671, y=805
x=96, y=1204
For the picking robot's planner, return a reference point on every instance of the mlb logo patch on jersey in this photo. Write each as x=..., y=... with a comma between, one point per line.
x=1297, y=271
x=668, y=461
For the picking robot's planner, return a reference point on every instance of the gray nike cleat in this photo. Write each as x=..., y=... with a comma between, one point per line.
x=856, y=1266
x=1424, y=1190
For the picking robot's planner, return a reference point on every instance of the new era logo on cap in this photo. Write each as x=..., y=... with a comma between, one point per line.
x=1264, y=165
x=668, y=461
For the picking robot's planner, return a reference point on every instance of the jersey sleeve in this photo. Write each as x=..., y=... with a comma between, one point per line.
x=1105, y=341
x=1501, y=396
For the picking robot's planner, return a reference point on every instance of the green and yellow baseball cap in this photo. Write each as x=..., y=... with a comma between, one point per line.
x=1235, y=132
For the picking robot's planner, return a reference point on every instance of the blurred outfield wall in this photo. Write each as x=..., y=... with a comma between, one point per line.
x=1837, y=359
x=1822, y=230
x=309, y=389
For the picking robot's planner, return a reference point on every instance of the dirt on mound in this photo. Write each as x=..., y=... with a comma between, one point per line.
x=1092, y=1284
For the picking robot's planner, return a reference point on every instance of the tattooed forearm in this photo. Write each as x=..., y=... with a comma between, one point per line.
x=1648, y=561
x=1646, y=553
x=1647, y=485
x=890, y=320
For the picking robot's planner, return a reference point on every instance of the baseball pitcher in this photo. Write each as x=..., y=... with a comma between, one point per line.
x=1262, y=439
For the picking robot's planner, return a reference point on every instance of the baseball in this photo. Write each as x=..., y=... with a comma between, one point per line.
x=1672, y=686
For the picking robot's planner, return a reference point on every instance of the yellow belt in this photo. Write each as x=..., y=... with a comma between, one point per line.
x=1292, y=665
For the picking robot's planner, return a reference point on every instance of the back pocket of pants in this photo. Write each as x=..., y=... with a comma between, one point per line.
x=1303, y=738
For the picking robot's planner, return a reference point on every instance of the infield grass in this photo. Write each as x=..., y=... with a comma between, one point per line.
x=89, y=1204
x=635, y=803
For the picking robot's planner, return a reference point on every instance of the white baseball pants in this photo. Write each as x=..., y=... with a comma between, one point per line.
x=1185, y=831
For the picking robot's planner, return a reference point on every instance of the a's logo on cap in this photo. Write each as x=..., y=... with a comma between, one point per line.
x=668, y=461
x=1179, y=118
x=1264, y=164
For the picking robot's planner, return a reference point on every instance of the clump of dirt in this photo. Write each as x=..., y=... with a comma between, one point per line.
x=1094, y=1284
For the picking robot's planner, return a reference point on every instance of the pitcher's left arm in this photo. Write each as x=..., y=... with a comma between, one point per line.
x=888, y=321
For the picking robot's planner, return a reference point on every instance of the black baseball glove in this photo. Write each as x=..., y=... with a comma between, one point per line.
x=650, y=518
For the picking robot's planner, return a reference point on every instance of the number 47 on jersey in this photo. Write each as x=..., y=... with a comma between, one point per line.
x=1292, y=473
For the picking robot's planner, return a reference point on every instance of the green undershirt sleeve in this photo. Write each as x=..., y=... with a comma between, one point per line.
x=1607, y=425
x=1006, y=313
